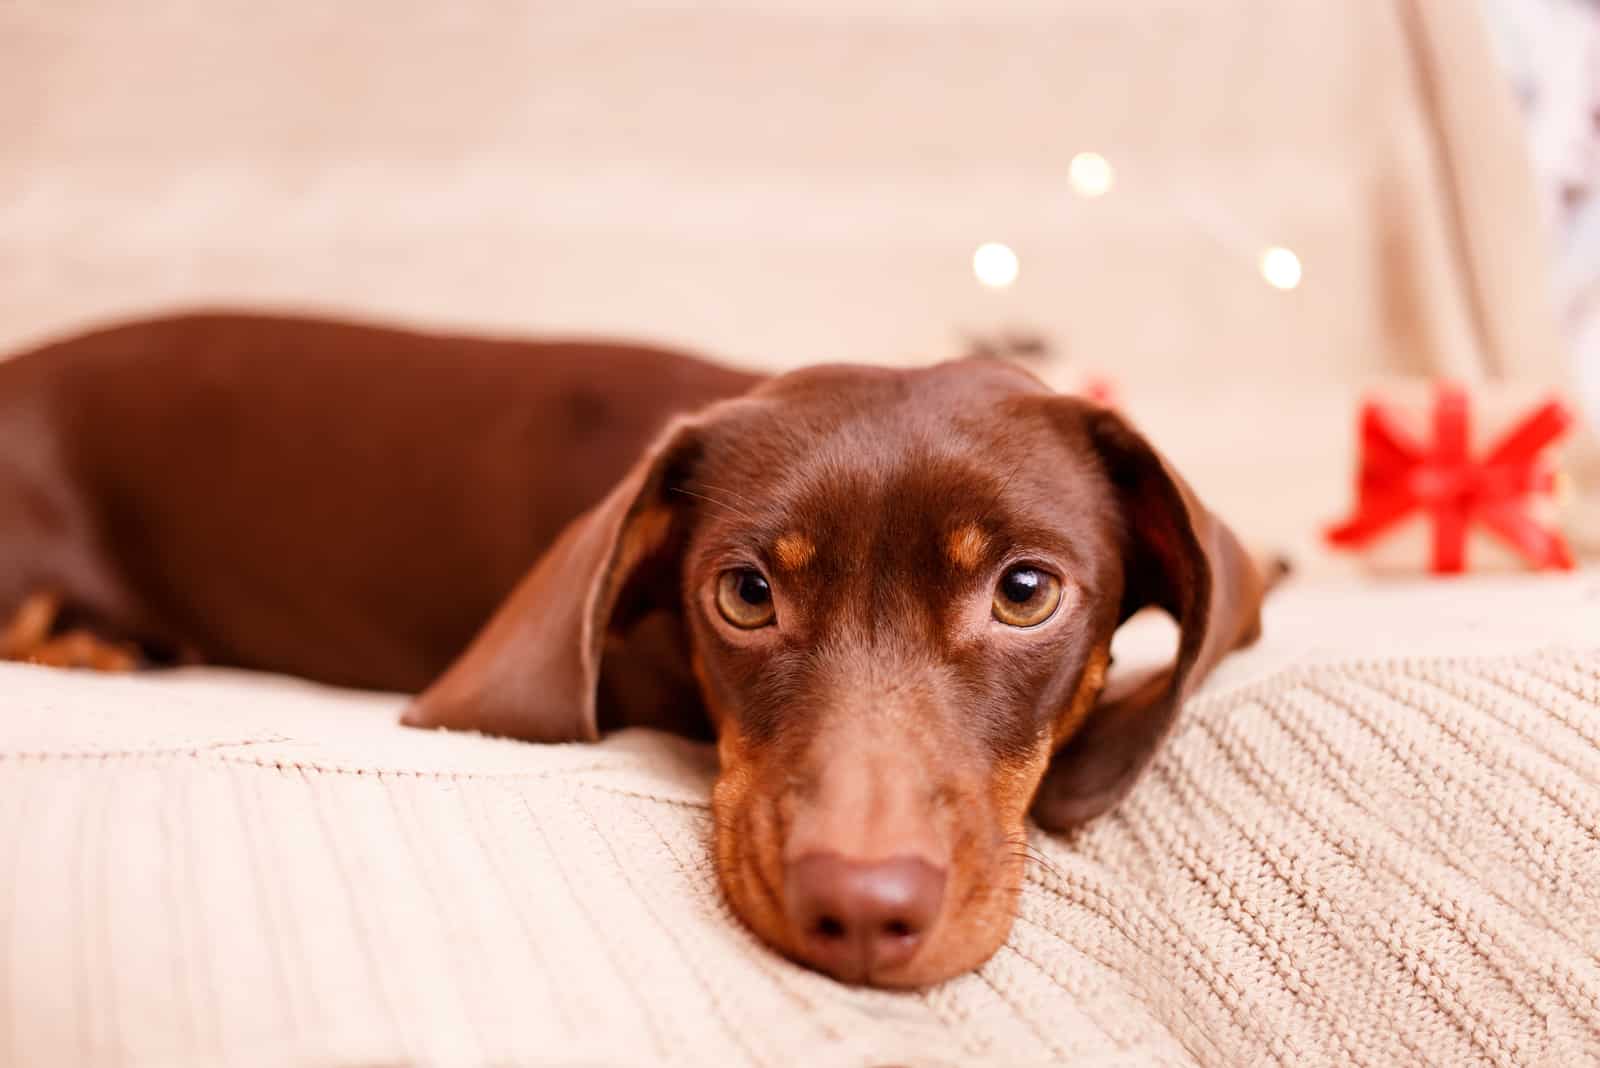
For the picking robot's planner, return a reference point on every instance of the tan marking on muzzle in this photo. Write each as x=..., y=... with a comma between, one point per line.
x=1088, y=692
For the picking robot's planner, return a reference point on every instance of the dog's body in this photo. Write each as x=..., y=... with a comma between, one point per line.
x=346, y=503
x=889, y=594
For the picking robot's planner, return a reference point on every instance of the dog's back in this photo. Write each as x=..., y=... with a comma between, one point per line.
x=339, y=501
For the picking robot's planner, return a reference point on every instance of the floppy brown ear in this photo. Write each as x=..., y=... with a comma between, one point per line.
x=535, y=670
x=1180, y=557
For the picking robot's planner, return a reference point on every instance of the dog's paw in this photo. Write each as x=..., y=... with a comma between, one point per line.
x=80, y=649
x=28, y=637
x=29, y=626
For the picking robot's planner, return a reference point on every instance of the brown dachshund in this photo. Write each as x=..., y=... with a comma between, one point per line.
x=889, y=595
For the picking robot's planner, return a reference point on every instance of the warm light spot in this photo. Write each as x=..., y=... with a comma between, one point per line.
x=1280, y=267
x=995, y=265
x=794, y=551
x=1090, y=174
x=966, y=546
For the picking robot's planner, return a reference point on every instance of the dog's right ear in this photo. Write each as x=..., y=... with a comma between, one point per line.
x=534, y=671
x=1179, y=557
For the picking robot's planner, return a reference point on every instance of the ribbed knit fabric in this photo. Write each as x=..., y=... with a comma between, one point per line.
x=1358, y=861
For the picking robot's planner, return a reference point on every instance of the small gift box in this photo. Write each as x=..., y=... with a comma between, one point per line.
x=1452, y=478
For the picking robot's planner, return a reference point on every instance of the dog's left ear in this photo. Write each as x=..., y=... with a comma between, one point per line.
x=1175, y=555
x=606, y=591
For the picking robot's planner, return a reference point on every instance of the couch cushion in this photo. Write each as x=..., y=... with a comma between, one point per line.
x=1359, y=846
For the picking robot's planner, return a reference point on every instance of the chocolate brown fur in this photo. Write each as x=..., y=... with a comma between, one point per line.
x=536, y=533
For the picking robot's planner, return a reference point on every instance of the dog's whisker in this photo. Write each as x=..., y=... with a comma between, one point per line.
x=719, y=503
x=708, y=488
x=1031, y=854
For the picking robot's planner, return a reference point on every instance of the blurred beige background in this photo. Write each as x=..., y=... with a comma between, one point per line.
x=780, y=183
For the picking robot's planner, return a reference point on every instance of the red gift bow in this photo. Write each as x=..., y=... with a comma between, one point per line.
x=1399, y=476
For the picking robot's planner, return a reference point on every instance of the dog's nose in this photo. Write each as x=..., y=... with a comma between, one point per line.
x=857, y=918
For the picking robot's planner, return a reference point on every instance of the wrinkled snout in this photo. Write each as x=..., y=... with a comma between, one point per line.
x=858, y=918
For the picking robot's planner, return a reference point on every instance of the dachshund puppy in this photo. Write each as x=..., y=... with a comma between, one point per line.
x=889, y=595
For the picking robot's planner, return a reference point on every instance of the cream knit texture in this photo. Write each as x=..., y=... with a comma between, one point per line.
x=1339, y=858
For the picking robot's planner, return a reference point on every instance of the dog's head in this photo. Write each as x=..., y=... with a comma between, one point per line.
x=890, y=594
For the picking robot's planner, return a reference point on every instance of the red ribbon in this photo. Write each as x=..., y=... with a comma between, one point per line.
x=1400, y=476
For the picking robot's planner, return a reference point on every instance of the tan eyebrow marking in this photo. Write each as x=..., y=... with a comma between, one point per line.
x=966, y=545
x=794, y=551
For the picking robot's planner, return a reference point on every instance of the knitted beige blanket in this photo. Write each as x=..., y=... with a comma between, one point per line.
x=1341, y=858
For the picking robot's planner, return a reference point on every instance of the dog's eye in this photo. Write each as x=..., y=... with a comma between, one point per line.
x=744, y=598
x=1026, y=596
